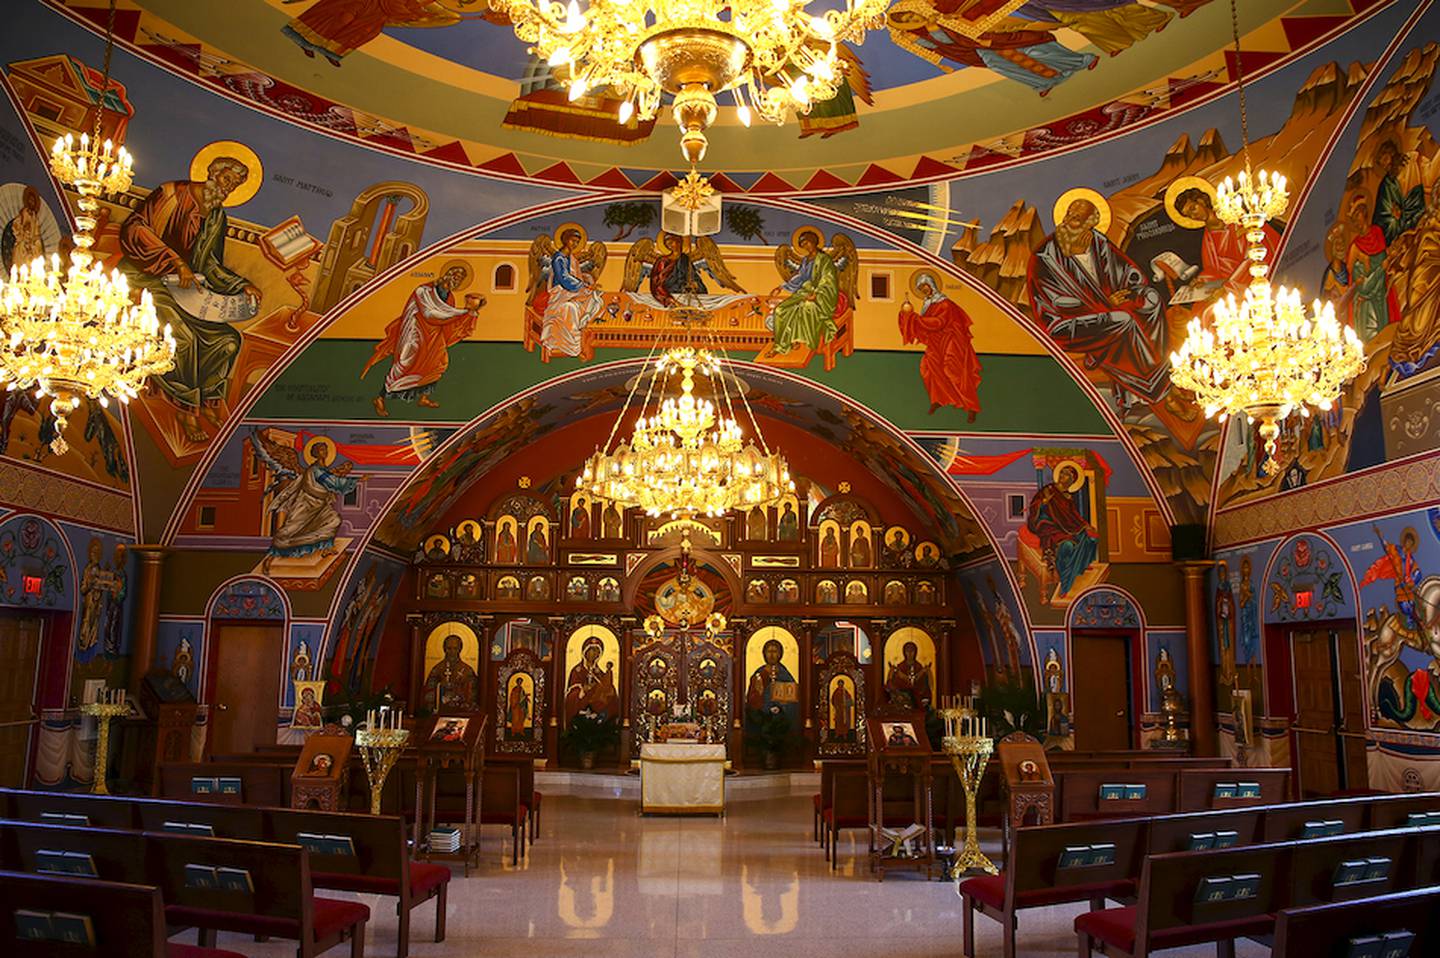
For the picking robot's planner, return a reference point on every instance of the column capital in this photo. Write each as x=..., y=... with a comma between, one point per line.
x=1194, y=568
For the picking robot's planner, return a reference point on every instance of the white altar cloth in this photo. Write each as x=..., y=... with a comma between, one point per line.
x=678, y=778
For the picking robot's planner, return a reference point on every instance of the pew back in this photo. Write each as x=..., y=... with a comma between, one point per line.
x=376, y=843
x=1327, y=929
x=278, y=875
x=114, y=855
x=125, y=920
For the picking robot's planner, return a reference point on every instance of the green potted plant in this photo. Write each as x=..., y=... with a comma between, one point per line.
x=770, y=732
x=588, y=734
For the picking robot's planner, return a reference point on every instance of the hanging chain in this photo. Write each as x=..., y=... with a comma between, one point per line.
x=1239, y=87
x=105, y=73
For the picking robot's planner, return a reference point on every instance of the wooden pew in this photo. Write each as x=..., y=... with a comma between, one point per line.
x=1310, y=819
x=260, y=783
x=378, y=865
x=1317, y=930
x=192, y=818
x=1036, y=857
x=1180, y=900
x=93, y=809
x=1200, y=789
x=117, y=855
x=125, y=921
x=281, y=903
x=1045, y=869
x=1078, y=793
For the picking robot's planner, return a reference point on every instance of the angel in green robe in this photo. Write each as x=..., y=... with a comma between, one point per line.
x=819, y=286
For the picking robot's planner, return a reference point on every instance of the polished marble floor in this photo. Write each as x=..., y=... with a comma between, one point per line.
x=605, y=882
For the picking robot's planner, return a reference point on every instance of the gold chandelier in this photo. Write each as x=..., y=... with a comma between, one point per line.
x=1262, y=356
x=77, y=332
x=775, y=57
x=687, y=456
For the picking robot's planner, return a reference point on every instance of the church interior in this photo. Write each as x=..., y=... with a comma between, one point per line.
x=706, y=478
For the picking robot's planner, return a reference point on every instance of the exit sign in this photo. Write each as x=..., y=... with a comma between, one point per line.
x=31, y=584
x=1303, y=599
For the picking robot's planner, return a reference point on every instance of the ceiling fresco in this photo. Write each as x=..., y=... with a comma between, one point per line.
x=1049, y=76
x=403, y=329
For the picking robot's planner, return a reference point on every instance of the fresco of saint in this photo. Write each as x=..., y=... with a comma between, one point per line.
x=675, y=272
x=1373, y=304
x=949, y=368
x=418, y=341
x=336, y=28
x=565, y=289
x=1095, y=302
x=174, y=242
x=1055, y=519
x=304, y=496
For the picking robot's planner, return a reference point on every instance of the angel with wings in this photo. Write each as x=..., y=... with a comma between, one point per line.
x=565, y=288
x=302, y=494
x=819, y=286
x=675, y=272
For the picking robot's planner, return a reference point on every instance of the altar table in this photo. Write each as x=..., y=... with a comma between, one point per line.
x=679, y=778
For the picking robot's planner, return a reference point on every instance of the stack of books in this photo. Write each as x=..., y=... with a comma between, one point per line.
x=445, y=841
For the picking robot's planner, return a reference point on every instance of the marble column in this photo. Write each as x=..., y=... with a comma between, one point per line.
x=151, y=559
x=1201, y=670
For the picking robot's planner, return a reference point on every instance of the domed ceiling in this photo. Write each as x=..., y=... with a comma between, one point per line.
x=946, y=86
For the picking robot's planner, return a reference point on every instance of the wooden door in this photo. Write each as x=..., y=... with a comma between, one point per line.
x=1101, y=677
x=1312, y=654
x=1354, y=761
x=247, y=686
x=19, y=654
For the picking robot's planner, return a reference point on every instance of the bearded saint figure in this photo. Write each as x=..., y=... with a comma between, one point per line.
x=950, y=369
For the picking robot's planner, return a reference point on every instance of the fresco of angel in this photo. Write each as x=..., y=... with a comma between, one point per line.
x=565, y=287
x=303, y=495
x=675, y=273
x=819, y=285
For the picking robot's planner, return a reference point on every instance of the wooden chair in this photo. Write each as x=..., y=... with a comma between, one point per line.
x=126, y=921
x=1317, y=929
x=502, y=802
x=379, y=865
x=849, y=807
x=281, y=903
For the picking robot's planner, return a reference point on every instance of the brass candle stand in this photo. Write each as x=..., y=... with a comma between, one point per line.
x=108, y=704
x=381, y=741
x=969, y=749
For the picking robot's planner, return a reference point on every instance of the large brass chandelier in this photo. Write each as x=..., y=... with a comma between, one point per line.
x=1262, y=356
x=75, y=331
x=773, y=56
x=687, y=455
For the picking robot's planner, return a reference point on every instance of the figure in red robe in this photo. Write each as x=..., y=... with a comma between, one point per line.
x=419, y=340
x=335, y=28
x=950, y=369
x=1224, y=253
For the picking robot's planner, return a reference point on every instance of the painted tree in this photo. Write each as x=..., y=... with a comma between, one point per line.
x=744, y=221
x=626, y=218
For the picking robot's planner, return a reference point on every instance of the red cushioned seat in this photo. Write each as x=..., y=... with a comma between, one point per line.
x=1116, y=927
x=988, y=890
x=1113, y=926
x=845, y=821
x=174, y=949
x=423, y=877
x=504, y=818
x=331, y=915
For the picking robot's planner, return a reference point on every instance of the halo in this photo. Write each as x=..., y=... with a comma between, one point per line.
x=915, y=280
x=1102, y=205
x=310, y=449
x=795, y=236
x=255, y=171
x=1172, y=193
x=469, y=273
x=1079, y=473
x=1410, y=531
x=565, y=227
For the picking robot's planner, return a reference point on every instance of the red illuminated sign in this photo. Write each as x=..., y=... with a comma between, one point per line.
x=31, y=583
x=1302, y=599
